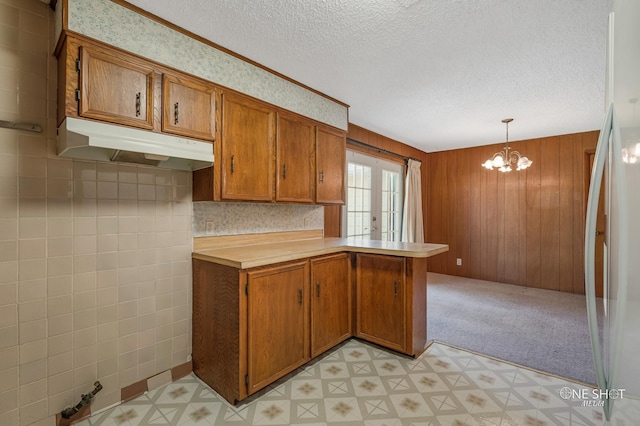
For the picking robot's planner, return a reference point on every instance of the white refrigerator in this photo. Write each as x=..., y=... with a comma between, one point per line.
x=617, y=164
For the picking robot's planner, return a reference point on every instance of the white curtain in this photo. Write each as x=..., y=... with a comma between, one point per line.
x=412, y=226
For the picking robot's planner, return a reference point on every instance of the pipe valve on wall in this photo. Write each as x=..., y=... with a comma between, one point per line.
x=86, y=398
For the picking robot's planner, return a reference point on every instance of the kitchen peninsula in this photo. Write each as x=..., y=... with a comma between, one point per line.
x=265, y=304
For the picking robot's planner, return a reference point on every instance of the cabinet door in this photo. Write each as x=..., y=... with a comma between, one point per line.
x=381, y=304
x=330, y=302
x=246, y=151
x=278, y=322
x=188, y=107
x=330, y=165
x=295, y=162
x=115, y=88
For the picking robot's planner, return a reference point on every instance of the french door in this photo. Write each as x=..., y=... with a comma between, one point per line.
x=374, y=198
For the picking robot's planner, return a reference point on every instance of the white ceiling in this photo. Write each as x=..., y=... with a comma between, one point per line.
x=435, y=74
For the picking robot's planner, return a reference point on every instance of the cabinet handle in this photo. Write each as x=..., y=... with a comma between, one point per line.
x=176, y=113
x=300, y=296
x=395, y=288
x=284, y=171
x=233, y=163
x=138, y=104
x=321, y=176
x=318, y=289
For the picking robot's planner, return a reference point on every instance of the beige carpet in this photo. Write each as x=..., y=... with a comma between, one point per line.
x=542, y=329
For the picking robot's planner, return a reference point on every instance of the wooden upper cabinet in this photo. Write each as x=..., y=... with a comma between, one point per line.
x=188, y=107
x=246, y=158
x=331, y=152
x=381, y=304
x=277, y=322
x=331, y=320
x=115, y=88
x=295, y=162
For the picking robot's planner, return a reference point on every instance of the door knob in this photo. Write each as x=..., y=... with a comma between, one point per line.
x=599, y=232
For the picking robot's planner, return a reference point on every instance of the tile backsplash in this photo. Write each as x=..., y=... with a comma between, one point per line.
x=211, y=218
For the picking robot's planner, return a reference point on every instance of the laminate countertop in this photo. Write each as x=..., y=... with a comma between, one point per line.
x=251, y=256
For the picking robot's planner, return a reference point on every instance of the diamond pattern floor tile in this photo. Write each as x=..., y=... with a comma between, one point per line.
x=361, y=384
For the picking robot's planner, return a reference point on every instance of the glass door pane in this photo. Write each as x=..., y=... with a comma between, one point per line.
x=358, y=200
x=391, y=207
x=374, y=198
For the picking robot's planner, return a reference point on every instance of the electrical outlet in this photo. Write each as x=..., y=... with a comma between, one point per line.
x=209, y=227
x=459, y=262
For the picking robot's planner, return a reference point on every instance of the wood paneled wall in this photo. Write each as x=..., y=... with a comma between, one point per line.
x=375, y=140
x=524, y=228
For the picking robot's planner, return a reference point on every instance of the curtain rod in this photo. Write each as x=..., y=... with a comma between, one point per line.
x=381, y=150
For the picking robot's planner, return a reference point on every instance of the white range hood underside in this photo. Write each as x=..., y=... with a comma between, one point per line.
x=91, y=140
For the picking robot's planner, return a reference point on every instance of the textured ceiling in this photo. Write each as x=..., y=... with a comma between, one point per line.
x=435, y=74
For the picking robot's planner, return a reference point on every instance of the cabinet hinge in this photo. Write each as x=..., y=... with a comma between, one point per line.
x=77, y=95
x=246, y=289
x=246, y=380
x=77, y=64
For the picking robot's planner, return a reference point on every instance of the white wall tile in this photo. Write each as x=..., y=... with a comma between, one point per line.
x=84, y=170
x=8, y=251
x=32, y=227
x=33, y=351
x=58, y=286
x=31, y=311
x=8, y=315
x=32, y=269
x=9, y=186
x=32, y=248
x=60, y=344
x=32, y=331
x=29, y=166
x=32, y=290
x=8, y=229
x=8, y=274
x=59, y=227
x=8, y=360
x=9, y=404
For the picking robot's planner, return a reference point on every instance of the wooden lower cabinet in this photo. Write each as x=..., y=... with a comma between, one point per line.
x=381, y=300
x=249, y=327
x=391, y=299
x=219, y=349
x=331, y=321
x=277, y=322
x=253, y=326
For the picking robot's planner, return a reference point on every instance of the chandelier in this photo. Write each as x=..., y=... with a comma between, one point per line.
x=503, y=160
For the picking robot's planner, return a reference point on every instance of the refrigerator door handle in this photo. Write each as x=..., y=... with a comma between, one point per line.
x=590, y=238
x=610, y=143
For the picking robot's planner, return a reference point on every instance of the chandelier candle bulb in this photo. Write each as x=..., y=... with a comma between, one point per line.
x=502, y=160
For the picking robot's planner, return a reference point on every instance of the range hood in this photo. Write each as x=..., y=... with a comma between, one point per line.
x=91, y=140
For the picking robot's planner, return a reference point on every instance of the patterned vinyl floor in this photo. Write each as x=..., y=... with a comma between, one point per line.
x=360, y=384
